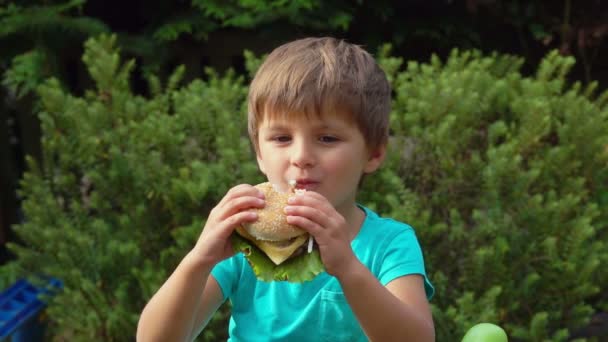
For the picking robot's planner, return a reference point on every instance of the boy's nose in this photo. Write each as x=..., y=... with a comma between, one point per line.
x=302, y=155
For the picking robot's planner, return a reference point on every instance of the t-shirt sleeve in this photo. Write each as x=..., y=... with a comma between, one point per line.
x=403, y=256
x=226, y=273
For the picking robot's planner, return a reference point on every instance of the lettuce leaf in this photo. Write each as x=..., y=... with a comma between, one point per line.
x=297, y=270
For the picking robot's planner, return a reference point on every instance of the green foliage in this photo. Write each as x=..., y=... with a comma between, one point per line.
x=124, y=188
x=207, y=16
x=194, y=23
x=33, y=35
x=504, y=178
x=50, y=16
x=249, y=14
x=25, y=74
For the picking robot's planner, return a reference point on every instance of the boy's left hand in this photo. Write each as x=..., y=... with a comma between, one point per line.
x=312, y=212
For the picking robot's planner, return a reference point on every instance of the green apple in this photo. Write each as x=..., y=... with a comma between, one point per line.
x=485, y=332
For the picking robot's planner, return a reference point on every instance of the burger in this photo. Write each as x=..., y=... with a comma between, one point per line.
x=275, y=249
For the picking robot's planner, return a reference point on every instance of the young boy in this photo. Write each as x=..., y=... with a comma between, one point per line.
x=318, y=113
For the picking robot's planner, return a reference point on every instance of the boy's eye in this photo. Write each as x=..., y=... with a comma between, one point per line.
x=328, y=138
x=281, y=138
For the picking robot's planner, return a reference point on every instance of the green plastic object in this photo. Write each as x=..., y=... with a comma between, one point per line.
x=485, y=332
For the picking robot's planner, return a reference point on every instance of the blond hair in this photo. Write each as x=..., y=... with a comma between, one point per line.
x=316, y=76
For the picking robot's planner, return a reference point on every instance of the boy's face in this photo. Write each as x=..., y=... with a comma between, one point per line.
x=325, y=154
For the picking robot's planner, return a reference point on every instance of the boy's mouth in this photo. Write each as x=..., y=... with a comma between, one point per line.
x=306, y=184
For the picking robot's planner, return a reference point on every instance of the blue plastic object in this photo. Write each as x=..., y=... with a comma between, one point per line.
x=20, y=307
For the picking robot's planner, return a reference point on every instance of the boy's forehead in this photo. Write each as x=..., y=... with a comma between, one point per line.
x=331, y=114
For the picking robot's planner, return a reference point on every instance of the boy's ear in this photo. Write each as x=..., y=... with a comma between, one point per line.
x=260, y=162
x=376, y=158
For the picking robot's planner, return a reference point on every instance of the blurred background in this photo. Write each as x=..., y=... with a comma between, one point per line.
x=43, y=39
x=40, y=39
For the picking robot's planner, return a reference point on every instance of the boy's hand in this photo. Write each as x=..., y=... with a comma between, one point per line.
x=312, y=212
x=214, y=244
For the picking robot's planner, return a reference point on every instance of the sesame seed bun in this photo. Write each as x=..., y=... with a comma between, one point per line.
x=272, y=222
x=271, y=233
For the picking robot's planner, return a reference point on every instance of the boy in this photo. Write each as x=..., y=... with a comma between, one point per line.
x=318, y=113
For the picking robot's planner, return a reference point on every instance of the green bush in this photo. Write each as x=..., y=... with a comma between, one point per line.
x=501, y=175
x=124, y=188
x=504, y=178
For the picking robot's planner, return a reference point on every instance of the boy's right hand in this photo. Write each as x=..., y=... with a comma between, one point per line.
x=214, y=244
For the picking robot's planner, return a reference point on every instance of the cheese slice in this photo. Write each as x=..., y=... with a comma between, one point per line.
x=277, y=251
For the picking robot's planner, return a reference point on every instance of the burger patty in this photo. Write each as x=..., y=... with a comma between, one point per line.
x=282, y=243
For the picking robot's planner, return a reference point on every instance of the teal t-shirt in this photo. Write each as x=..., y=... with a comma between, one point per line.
x=316, y=310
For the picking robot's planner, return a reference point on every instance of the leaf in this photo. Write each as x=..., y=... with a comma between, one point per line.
x=303, y=268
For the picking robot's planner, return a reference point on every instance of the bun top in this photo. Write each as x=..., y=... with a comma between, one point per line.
x=272, y=222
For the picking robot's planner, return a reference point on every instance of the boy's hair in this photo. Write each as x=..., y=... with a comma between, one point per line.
x=316, y=76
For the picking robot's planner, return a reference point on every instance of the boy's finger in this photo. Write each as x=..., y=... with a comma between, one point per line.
x=230, y=223
x=314, y=200
x=241, y=203
x=310, y=213
x=303, y=222
x=239, y=191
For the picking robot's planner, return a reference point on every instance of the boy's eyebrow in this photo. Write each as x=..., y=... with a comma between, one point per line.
x=284, y=127
x=274, y=127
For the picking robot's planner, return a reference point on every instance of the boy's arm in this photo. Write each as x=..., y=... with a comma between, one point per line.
x=399, y=310
x=211, y=301
x=186, y=300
